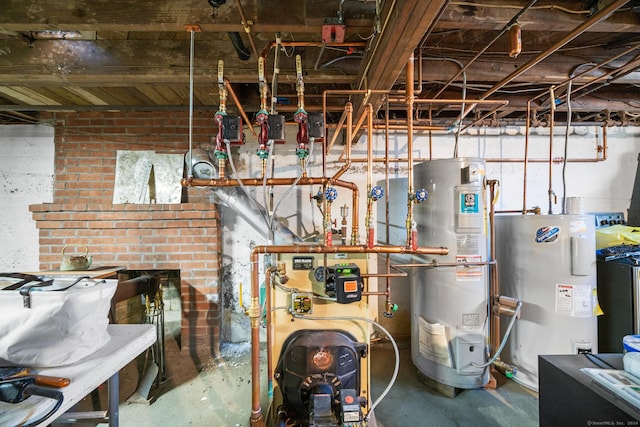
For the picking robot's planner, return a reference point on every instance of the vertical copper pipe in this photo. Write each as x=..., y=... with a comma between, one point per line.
x=494, y=288
x=526, y=158
x=370, y=200
x=409, y=107
x=551, y=126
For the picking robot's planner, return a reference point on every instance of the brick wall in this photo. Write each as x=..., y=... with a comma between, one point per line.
x=184, y=237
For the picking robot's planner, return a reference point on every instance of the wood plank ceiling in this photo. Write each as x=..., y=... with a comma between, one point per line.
x=66, y=55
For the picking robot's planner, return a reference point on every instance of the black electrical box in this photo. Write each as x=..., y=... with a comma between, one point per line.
x=232, y=129
x=347, y=282
x=315, y=122
x=275, y=128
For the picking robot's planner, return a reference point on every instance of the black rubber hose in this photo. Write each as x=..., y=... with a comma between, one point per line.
x=243, y=52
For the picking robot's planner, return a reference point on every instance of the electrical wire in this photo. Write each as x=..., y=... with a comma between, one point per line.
x=516, y=312
x=235, y=174
x=396, y=366
x=292, y=186
x=566, y=150
x=508, y=6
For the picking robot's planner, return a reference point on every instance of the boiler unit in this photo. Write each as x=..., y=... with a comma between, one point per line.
x=450, y=302
x=549, y=263
x=319, y=342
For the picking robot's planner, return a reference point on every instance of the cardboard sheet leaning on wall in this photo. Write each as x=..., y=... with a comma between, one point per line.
x=144, y=177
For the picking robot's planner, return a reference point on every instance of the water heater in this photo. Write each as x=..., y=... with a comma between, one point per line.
x=549, y=263
x=449, y=303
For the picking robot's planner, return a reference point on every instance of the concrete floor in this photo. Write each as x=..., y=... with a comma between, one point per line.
x=219, y=394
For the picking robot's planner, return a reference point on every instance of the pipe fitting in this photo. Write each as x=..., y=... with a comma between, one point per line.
x=254, y=312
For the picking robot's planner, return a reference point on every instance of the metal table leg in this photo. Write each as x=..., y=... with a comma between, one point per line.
x=114, y=399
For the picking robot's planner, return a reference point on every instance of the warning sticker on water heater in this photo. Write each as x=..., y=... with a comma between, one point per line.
x=574, y=300
x=433, y=341
x=547, y=234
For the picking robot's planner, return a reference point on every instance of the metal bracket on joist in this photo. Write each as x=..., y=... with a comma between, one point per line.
x=193, y=27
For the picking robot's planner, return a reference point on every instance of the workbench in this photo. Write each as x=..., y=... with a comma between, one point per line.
x=127, y=342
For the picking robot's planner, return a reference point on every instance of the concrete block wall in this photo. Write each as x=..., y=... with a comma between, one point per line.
x=184, y=237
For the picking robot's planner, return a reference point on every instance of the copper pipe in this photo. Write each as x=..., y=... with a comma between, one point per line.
x=236, y=101
x=370, y=200
x=349, y=111
x=604, y=141
x=551, y=126
x=255, y=182
x=415, y=127
x=590, y=69
x=526, y=157
x=384, y=275
x=488, y=160
x=535, y=211
x=271, y=44
x=247, y=28
x=339, y=126
x=454, y=101
x=257, y=419
x=494, y=287
x=410, y=99
x=483, y=50
x=583, y=27
x=436, y=264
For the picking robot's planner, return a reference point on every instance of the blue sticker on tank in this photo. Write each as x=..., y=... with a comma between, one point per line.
x=469, y=203
x=547, y=234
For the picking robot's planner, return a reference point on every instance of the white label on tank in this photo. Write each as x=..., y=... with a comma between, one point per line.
x=470, y=319
x=577, y=227
x=433, y=342
x=574, y=300
x=468, y=244
x=468, y=272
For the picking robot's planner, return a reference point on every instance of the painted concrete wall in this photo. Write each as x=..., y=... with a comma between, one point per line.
x=26, y=171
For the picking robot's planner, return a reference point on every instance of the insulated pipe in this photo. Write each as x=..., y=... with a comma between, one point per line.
x=258, y=182
x=255, y=311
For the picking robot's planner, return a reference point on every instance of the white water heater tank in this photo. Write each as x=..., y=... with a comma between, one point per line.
x=549, y=263
x=449, y=304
